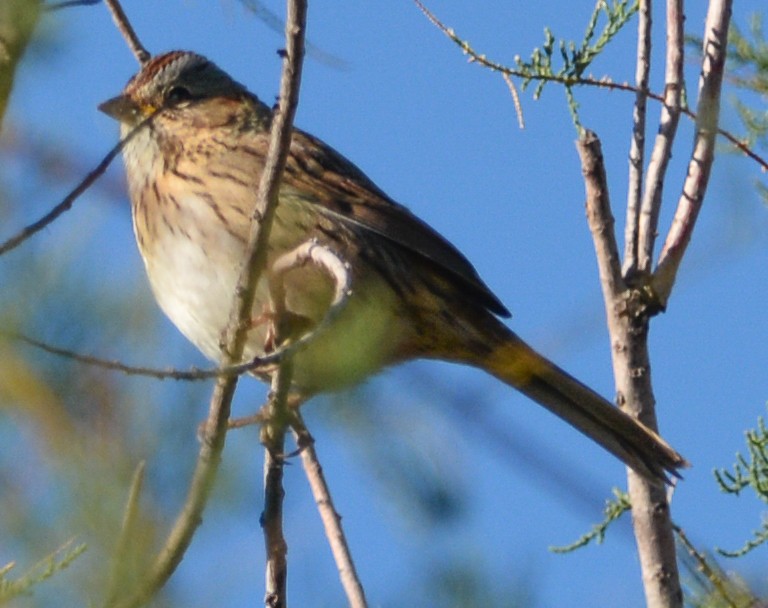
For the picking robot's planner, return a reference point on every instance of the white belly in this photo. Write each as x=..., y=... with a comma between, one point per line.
x=194, y=285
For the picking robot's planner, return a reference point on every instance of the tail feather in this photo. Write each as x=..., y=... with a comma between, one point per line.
x=516, y=364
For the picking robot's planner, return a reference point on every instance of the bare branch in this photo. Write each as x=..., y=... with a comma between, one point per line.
x=273, y=440
x=330, y=517
x=66, y=204
x=662, y=149
x=277, y=413
x=600, y=217
x=126, y=29
x=214, y=432
x=628, y=329
x=700, y=165
x=637, y=145
x=269, y=184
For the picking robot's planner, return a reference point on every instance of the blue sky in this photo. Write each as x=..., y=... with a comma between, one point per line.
x=441, y=136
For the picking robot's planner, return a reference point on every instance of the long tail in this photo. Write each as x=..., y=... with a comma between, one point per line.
x=518, y=365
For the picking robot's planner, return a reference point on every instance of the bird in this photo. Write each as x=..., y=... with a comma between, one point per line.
x=196, y=146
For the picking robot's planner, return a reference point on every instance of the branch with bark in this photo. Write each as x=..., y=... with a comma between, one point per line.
x=630, y=302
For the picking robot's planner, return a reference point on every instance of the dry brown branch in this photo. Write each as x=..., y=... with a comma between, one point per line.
x=699, y=167
x=126, y=29
x=277, y=414
x=328, y=514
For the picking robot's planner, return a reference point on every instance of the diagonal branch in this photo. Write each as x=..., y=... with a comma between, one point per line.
x=330, y=517
x=66, y=204
x=126, y=29
x=700, y=164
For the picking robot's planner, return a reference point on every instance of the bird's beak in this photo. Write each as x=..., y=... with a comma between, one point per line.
x=122, y=109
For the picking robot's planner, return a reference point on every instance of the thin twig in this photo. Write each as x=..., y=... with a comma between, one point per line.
x=637, y=145
x=57, y=6
x=662, y=148
x=330, y=517
x=515, y=100
x=702, y=157
x=309, y=252
x=273, y=439
x=126, y=29
x=276, y=415
x=214, y=433
x=604, y=83
x=66, y=204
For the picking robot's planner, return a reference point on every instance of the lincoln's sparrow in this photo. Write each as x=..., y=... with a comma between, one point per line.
x=193, y=171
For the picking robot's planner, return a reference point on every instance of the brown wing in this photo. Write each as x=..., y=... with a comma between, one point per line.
x=343, y=190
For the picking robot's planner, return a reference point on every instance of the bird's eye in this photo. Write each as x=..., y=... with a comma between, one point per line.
x=178, y=94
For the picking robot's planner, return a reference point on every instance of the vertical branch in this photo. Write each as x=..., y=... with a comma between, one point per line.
x=233, y=342
x=628, y=329
x=637, y=145
x=269, y=184
x=700, y=165
x=273, y=440
x=662, y=149
x=273, y=433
